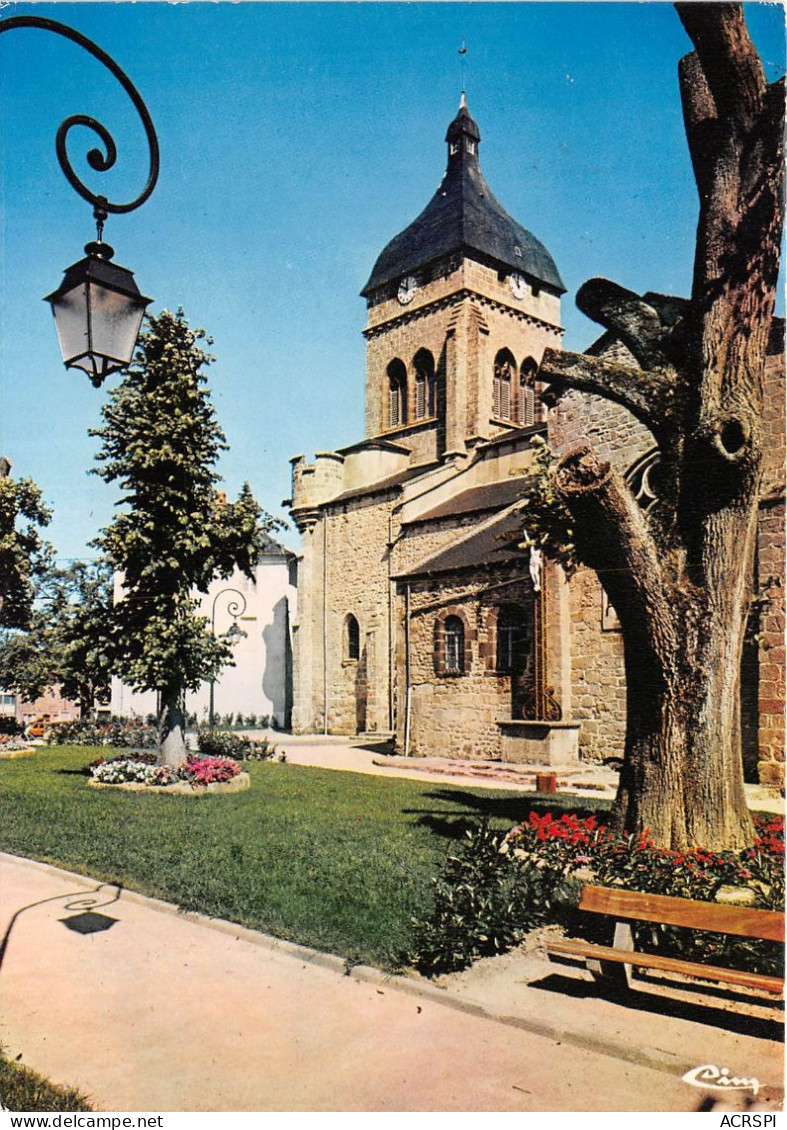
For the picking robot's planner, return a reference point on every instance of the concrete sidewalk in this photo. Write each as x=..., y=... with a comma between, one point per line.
x=163, y=1011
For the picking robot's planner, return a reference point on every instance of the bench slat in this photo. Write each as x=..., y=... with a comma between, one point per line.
x=641, y=907
x=668, y=964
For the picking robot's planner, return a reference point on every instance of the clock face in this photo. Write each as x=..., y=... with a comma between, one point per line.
x=407, y=288
x=517, y=284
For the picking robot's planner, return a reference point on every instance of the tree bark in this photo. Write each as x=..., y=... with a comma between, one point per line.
x=172, y=728
x=681, y=578
x=682, y=778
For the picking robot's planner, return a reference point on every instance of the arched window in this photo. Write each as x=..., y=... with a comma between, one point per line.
x=424, y=385
x=528, y=401
x=512, y=640
x=397, y=394
x=454, y=639
x=505, y=368
x=352, y=638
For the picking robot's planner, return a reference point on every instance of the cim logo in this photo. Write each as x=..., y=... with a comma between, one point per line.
x=712, y=1078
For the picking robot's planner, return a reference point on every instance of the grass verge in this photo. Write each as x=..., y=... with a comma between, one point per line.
x=338, y=861
x=22, y=1089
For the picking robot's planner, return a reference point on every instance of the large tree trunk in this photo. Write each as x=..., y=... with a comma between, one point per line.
x=681, y=579
x=172, y=728
x=682, y=777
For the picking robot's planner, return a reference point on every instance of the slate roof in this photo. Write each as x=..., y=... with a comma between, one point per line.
x=491, y=496
x=398, y=479
x=463, y=215
x=481, y=549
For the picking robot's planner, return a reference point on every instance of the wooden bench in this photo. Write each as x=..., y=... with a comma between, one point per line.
x=634, y=906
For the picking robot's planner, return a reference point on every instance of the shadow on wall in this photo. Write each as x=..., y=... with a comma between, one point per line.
x=277, y=672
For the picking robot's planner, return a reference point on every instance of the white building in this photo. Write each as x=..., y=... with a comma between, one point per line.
x=257, y=614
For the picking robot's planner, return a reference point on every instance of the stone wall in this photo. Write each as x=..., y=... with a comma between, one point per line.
x=346, y=556
x=771, y=581
x=598, y=687
x=463, y=317
x=456, y=715
x=595, y=644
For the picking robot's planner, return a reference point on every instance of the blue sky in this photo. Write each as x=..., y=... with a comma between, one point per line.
x=297, y=140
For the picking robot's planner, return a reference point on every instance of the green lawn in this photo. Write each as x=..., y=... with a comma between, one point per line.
x=24, y=1089
x=339, y=861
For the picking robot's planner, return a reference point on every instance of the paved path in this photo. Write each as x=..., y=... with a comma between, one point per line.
x=169, y=1012
x=359, y=755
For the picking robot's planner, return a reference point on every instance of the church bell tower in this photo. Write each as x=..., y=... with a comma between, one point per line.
x=461, y=306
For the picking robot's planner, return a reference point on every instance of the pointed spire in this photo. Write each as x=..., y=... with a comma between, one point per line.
x=463, y=135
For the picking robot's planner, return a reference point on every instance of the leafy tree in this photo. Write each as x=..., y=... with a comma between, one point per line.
x=66, y=643
x=23, y=554
x=681, y=579
x=175, y=532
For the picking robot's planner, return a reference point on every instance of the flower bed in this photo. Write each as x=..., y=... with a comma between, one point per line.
x=497, y=888
x=14, y=745
x=197, y=773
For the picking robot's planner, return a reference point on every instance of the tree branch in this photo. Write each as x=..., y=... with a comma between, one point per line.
x=630, y=318
x=731, y=65
x=612, y=537
x=734, y=125
x=701, y=120
x=647, y=394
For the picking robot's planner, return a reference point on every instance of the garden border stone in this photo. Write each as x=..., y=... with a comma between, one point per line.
x=237, y=784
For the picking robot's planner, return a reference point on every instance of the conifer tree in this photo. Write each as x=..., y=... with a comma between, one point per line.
x=174, y=532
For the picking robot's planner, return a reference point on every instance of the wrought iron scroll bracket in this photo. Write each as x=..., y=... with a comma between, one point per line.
x=98, y=160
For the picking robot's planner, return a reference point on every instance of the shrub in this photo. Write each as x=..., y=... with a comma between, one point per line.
x=487, y=897
x=261, y=750
x=222, y=743
x=123, y=735
x=9, y=725
x=482, y=906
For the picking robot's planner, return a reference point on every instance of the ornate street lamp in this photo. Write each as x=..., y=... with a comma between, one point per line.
x=98, y=307
x=235, y=608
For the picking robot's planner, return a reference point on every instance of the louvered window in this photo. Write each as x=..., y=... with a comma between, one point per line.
x=420, y=396
x=501, y=389
x=397, y=394
x=424, y=385
x=527, y=409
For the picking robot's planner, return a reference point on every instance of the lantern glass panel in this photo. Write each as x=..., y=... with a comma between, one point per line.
x=115, y=320
x=71, y=321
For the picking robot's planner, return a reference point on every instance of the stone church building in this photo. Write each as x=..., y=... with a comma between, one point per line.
x=418, y=613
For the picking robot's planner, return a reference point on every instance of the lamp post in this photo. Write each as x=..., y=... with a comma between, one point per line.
x=235, y=608
x=98, y=307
